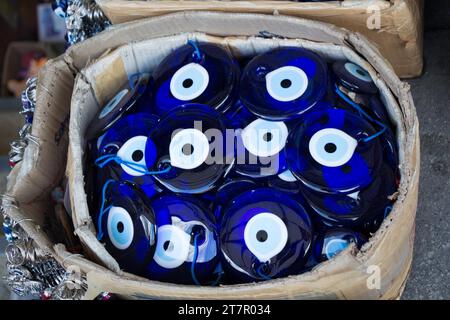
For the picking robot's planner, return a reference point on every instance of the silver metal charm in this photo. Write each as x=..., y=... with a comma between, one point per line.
x=32, y=272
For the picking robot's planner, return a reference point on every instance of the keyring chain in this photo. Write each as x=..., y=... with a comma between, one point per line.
x=28, y=98
x=32, y=271
x=84, y=18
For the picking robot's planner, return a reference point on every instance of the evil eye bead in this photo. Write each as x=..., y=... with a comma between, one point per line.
x=334, y=241
x=173, y=247
x=188, y=149
x=187, y=248
x=260, y=148
x=128, y=227
x=192, y=140
x=286, y=83
x=208, y=76
x=354, y=78
x=189, y=82
x=134, y=153
x=265, y=138
x=283, y=83
x=332, y=147
x=113, y=110
x=265, y=234
x=120, y=228
x=329, y=151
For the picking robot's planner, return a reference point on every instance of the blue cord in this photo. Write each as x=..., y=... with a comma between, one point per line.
x=362, y=112
x=102, y=209
x=197, y=52
x=140, y=168
x=194, y=261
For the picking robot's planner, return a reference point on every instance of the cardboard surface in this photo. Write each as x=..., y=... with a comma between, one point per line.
x=399, y=36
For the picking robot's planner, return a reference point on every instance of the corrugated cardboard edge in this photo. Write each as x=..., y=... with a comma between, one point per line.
x=45, y=155
x=399, y=37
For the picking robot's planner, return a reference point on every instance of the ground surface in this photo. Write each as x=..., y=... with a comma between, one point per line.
x=430, y=276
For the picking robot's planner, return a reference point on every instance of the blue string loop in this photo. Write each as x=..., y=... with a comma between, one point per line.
x=102, y=209
x=194, y=260
x=197, y=52
x=140, y=168
x=362, y=113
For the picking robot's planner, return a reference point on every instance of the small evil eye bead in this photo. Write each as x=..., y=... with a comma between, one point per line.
x=333, y=241
x=128, y=227
x=260, y=148
x=283, y=83
x=187, y=247
x=196, y=73
x=264, y=234
x=332, y=150
x=113, y=110
x=354, y=78
x=194, y=142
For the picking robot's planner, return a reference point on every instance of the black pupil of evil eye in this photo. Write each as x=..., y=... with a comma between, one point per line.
x=188, y=149
x=261, y=235
x=120, y=227
x=330, y=147
x=286, y=83
x=361, y=72
x=188, y=83
x=267, y=137
x=166, y=246
x=137, y=155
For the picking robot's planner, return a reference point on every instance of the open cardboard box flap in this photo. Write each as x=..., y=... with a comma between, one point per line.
x=398, y=36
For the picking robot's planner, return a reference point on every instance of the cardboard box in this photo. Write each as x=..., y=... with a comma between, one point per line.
x=107, y=56
x=395, y=26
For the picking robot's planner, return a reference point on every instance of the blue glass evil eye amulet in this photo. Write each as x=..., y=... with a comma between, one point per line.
x=333, y=150
x=354, y=78
x=260, y=148
x=183, y=140
x=264, y=234
x=187, y=246
x=283, y=83
x=196, y=73
x=127, y=227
